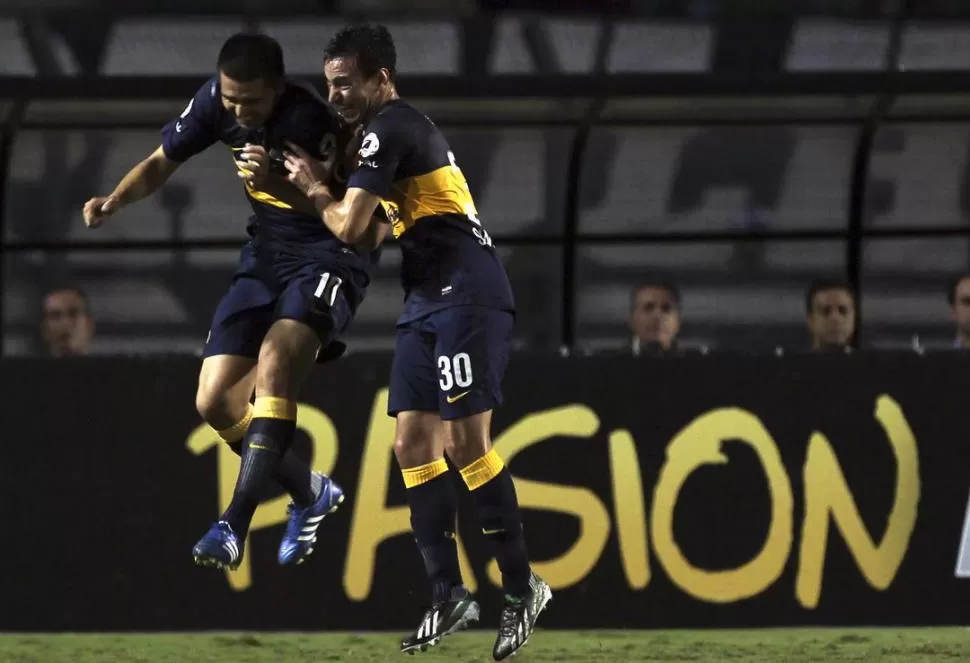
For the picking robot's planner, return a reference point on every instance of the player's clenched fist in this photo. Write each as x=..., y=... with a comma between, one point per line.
x=96, y=209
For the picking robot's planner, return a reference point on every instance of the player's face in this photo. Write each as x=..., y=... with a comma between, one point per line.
x=832, y=320
x=67, y=327
x=251, y=102
x=656, y=317
x=961, y=307
x=351, y=93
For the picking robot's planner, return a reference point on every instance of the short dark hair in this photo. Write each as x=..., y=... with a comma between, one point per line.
x=248, y=56
x=68, y=288
x=823, y=285
x=668, y=286
x=952, y=285
x=372, y=46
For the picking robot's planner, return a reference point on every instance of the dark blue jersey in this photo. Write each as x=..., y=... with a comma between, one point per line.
x=448, y=258
x=300, y=116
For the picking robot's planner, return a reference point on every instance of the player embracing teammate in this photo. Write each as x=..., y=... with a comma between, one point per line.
x=453, y=337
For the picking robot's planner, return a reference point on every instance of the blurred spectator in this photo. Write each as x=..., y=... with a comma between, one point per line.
x=67, y=326
x=830, y=307
x=655, y=318
x=958, y=294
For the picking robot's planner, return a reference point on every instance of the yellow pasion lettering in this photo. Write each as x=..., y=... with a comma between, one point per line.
x=374, y=522
x=582, y=503
x=826, y=492
x=631, y=517
x=699, y=444
x=323, y=439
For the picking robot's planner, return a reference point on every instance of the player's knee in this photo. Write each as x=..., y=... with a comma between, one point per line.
x=465, y=445
x=403, y=451
x=413, y=451
x=213, y=406
x=207, y=404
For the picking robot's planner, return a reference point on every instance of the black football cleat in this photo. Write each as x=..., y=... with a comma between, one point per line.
x=519, y=618
x=441, y=619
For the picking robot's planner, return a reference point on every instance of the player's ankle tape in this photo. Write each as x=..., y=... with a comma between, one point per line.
x=269, y=407
x=483, y=470
x=237, y=431
x=415, y=476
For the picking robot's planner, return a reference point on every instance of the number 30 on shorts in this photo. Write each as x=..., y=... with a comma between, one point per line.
x=455, y=371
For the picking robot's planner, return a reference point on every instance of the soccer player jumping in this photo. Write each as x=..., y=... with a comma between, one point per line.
x=294, y=293
x=453, y=336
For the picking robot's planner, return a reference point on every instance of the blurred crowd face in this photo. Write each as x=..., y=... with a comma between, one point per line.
x=960, y=311
x=67, y=326
x=655, y=317
x=832, y=318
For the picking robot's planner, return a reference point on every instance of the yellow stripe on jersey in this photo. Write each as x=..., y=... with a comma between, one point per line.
x=256, y=194
x=263, y=197
x=442, y=191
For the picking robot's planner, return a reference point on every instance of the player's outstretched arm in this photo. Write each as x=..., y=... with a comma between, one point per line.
x=140, y=182
x=348, y=219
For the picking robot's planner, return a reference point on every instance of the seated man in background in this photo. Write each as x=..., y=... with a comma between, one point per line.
x=830, y=310
x=655, y=318
x=66, y=327
x=958, y=295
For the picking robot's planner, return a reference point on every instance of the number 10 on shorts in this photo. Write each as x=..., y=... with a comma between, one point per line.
x=455, y=371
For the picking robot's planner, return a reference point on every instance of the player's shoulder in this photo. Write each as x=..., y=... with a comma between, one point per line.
x=297, y=91
x=306, y=106
x=301, y=94
x=399, y=115
x=401, y=124
x=207, y=98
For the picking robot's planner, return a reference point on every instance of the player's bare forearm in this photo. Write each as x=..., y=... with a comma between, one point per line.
x=349, y=218
x=323, y=201
x=373, y=236
x=337, y=215
x=145, y=178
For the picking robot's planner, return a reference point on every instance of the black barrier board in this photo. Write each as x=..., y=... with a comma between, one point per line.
x=693, y=492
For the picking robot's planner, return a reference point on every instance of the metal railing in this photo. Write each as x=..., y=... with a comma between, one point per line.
x=883, y=89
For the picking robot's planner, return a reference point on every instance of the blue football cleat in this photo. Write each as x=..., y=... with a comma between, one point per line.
x=301, y=530
x=220, y=547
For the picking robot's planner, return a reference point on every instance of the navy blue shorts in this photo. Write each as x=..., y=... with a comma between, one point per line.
x=451, y=362
x=267, y=287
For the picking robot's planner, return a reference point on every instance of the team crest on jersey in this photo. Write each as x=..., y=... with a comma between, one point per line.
x=369, y=146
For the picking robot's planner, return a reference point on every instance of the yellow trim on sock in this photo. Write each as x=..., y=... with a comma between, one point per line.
x=270, y=407
x=483, y=470
x=237, y=431
x=415, y=476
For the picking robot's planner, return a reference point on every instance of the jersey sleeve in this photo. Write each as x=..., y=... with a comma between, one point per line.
x=195, y=129
x=381, y=152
